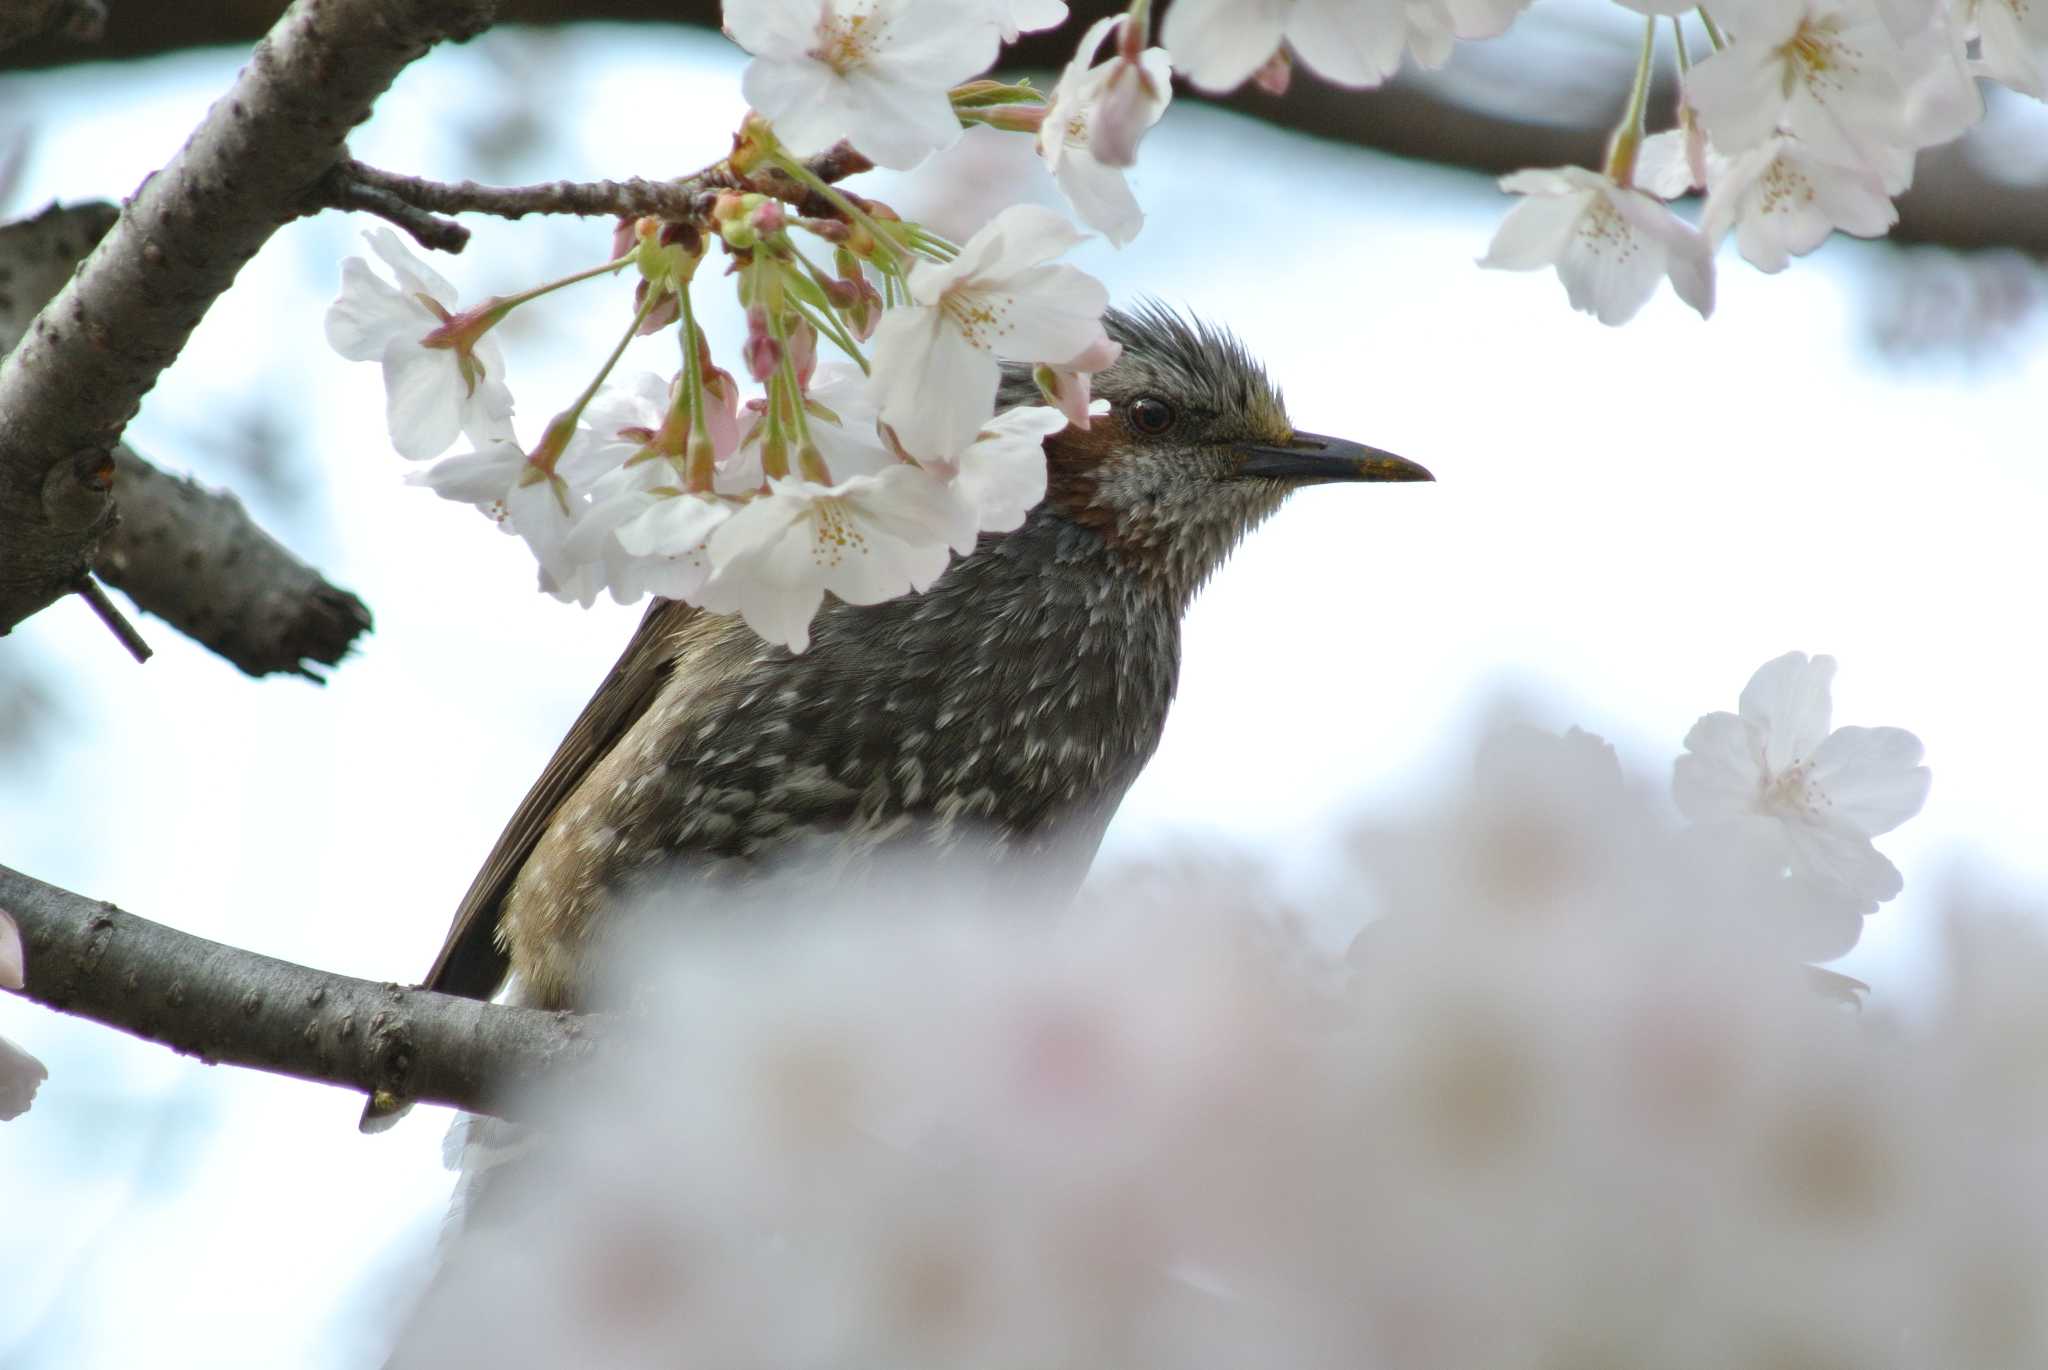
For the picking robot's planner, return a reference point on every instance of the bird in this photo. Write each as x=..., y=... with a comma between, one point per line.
x=1004, y=711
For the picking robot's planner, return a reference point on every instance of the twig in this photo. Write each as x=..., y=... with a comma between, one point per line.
x=227, y=1006
x=413, y=202
x=340, y=191
x=110, y=614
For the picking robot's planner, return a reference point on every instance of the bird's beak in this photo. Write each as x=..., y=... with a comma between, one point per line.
x=1310, y=457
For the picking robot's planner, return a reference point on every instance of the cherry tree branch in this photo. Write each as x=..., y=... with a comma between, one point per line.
x=227, y=1006
x=414, y=203
x=71, y=385
x=187, y=554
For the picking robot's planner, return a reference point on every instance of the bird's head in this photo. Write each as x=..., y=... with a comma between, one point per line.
x=1195, y=450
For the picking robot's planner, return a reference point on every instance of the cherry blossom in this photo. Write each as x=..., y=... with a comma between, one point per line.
x=2012, y=42
x=874, y=72
x=1782, y=200
x=1091, y=132
x=433, y=389
x=867, y=539
x=20, y=1073
x=1219, y=44
x=1815, y=797
x=1828, y=71
x=935, y=361
x=1609, y=243
x=1002, y=472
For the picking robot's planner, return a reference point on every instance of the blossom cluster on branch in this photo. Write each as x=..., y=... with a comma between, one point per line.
x=863, y=479
x=1802, y=117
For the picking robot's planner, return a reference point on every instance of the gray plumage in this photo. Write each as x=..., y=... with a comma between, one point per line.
x=1002, y=714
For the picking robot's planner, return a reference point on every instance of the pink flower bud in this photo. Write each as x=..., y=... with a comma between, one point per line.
x=762, y=352
x=803, y=350
x=665, y=312
x=767, y=217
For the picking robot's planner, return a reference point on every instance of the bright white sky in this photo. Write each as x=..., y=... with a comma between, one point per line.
x=1627, y=523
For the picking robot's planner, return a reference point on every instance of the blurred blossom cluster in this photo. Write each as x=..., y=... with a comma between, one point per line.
x=1564, y=1102
x=863, y=479
x=1800, y=117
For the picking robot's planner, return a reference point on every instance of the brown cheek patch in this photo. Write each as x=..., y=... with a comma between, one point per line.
x=1073, y=461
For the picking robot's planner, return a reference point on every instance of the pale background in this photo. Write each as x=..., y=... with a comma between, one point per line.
x=1627, y=523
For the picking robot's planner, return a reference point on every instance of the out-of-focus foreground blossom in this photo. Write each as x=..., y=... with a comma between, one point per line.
x=1553, y=1108
x=20, y=1073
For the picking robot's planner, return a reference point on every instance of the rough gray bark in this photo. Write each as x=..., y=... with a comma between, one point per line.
x=232, y=1007
x=193, y=557
x=76, y=379
x=184, y=553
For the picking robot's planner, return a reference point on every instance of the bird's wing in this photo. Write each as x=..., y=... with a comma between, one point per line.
x=471, y=962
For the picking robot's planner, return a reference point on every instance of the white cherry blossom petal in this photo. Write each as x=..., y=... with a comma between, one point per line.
x=1002, y=472
x=20, y=1075
x=12, y=966
x=1782, y=201
x=1873, y=776
x=935, y=366
x=1788, y=701
x=1218, y=44
x=875, y=72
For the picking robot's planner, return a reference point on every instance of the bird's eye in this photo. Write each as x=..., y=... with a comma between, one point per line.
x=1151, y=416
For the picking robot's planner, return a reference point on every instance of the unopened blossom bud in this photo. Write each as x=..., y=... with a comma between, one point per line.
x=864, y=313
x=767, y=217
x=625, y=236
x=666, y=310
x=1012, y=118
x=831, y=230
x=1275, y=75
x=762, y=352
x=732, y=213
x=803, y=347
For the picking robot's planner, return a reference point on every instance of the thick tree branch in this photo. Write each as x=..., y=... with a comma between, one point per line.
x=73, y=383
x=232, y=1007
x=194, y=558
x=184, y=553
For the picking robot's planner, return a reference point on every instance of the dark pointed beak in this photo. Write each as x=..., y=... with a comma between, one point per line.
x=1311, y=457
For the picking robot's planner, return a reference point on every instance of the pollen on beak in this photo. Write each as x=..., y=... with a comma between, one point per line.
x=1311, y=457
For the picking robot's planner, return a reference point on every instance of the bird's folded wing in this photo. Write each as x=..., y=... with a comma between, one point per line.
x=471, y=962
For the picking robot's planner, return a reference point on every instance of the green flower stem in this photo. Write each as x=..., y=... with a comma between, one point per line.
x=884, y=242
x=1713, y=29
x=692, y=399
x=499, y=306
x=1627, y=139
